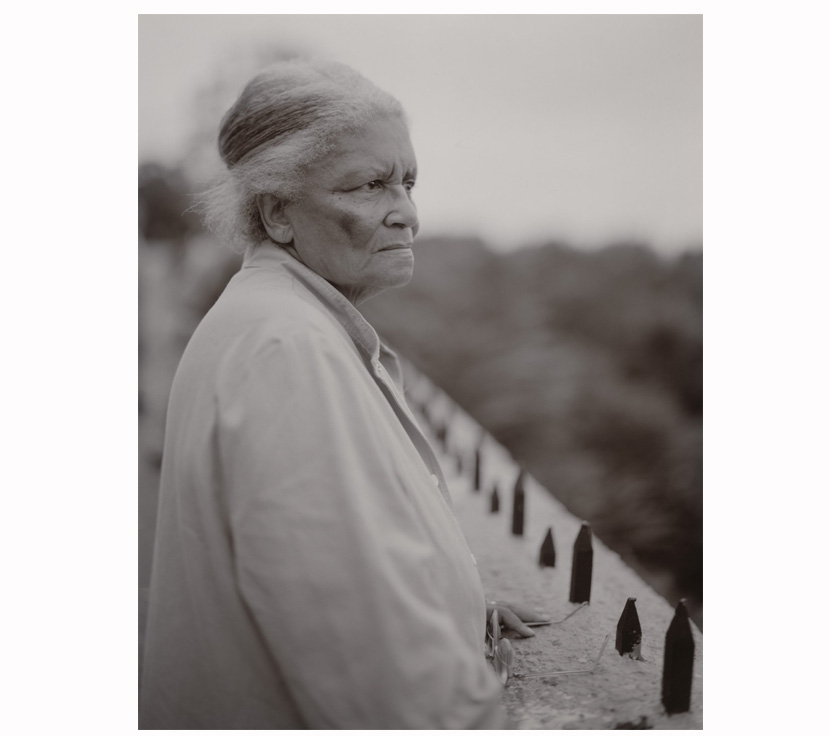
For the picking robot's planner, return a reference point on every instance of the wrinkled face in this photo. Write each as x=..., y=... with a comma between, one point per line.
x=355, y=221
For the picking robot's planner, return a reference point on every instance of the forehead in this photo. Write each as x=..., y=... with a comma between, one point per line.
x=381, y=144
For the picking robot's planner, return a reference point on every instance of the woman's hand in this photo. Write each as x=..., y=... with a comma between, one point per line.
x=513, y=616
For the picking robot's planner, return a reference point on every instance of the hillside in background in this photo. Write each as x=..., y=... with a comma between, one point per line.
x=587, y=366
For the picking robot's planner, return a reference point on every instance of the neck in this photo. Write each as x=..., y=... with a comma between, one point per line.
x=353, y=294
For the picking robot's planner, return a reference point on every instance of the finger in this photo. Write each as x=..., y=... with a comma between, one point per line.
x=527, y=614
x=513, y=622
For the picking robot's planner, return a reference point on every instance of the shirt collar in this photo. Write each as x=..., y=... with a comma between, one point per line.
x=269, y=255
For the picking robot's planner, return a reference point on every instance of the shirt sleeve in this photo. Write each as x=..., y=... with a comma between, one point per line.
x=331, y=562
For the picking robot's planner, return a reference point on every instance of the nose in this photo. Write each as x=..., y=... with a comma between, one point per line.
x=402, y=210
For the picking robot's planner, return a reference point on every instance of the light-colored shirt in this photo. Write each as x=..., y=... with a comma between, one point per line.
x=308, y=571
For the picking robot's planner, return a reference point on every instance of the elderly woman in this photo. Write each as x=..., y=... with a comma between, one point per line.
x=309, y=571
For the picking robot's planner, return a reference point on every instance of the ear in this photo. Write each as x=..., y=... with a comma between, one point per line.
x=274, y=219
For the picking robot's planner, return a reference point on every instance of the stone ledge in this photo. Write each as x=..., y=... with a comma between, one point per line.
x=621, y=693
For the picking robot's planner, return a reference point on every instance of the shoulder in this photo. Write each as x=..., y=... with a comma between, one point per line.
x=272, y=305
x=268, y=319
x=271, y=300
x=264, y=317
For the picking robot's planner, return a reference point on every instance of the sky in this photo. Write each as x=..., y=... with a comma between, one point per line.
x=581, y=128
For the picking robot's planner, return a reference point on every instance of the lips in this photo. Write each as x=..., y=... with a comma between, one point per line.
x=398, y=246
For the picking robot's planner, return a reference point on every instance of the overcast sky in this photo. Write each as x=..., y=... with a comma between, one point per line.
x=527, y=127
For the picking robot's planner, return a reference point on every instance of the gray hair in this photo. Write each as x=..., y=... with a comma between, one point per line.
x=287, y=117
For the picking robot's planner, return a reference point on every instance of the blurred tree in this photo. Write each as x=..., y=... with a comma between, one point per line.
x=587, y=366
x=164, y=203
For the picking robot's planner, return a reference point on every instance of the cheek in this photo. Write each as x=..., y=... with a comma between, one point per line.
x=357, y=224
x=349, y=223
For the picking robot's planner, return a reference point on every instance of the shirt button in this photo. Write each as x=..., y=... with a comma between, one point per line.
x=434, y=479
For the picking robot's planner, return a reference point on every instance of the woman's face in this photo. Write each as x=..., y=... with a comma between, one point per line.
x=355, y=222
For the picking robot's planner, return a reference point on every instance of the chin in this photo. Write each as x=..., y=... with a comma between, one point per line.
x=402, y=277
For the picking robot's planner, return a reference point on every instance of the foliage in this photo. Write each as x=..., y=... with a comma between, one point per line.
x=164, y=205
x=587, y=366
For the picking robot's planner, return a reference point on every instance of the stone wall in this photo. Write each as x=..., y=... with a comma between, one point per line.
x=621, y=692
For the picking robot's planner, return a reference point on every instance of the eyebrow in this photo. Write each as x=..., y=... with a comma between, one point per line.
x=367, y=171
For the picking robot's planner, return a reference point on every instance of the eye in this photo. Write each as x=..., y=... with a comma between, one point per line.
x=409, y=185
x=374, y=185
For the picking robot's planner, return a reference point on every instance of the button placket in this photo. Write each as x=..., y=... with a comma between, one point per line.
x=383, y=377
